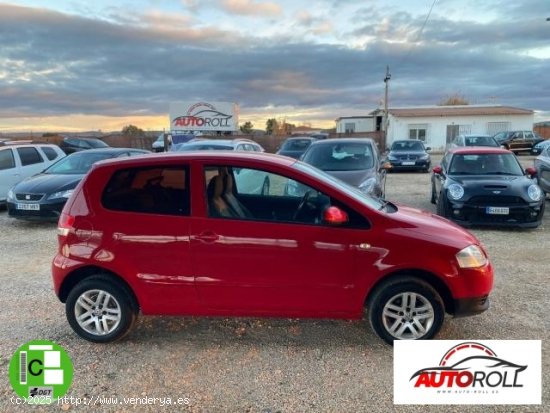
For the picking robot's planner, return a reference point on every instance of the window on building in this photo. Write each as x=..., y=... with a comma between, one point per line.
x=418, y=131
x=465, y=129
x=349, y=127
x=495, y=127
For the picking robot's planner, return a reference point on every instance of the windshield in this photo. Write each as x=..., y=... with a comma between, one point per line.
x=296, y=145
x=402, y=146
x=205, y=147
x=96, y=143
x=480, y=141
x=347, y=156
x=336, y=183
x=78, y=163
x=485, y=164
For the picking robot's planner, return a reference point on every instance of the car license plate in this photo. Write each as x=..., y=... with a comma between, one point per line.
x=408, y=163
x=497, y=211
x=29, y=207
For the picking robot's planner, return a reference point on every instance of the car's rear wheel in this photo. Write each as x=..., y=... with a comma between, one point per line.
x=406, y=308
x=100, y=309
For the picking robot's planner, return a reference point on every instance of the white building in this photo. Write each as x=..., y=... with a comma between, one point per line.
x=438, y=125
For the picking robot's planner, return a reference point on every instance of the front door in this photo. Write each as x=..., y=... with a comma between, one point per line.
x=278, y=259
x=452, y=132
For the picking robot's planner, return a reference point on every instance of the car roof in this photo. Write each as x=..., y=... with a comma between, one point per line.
x=476, y=150
x=113, y=151
x=342, y=140
x=30, y=145
x=476, y=135
x=82, y=139
x=213, y=156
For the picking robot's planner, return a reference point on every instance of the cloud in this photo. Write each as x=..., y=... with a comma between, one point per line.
x=252, y=8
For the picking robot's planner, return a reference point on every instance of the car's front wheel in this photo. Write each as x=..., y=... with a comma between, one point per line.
x=406, y=308
x=100, y=309
x=442, y=209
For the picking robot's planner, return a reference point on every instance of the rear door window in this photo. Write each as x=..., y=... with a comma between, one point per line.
x=6, y=159
x=50, y=153
x=29, y=156
x=150, y=190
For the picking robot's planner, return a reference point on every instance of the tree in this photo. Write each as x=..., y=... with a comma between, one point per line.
x=454, y=100
x=247, y=128
x=271, y=126
x=131, y=130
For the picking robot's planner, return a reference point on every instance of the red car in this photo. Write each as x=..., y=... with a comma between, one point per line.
x=198, y=234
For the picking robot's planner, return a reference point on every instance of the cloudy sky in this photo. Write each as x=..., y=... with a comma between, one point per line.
x=88, y=65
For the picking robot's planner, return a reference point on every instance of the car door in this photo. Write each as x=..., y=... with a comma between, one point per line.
x=439, y=179
x=269, y=264
x=10, y=172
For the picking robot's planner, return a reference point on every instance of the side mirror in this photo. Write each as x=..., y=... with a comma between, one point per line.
x=428, y=148
x=335, y=216
x=437, y=170
x=532, y=172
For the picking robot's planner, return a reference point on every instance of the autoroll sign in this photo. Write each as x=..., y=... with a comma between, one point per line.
x=204, y=116
x=467, y=372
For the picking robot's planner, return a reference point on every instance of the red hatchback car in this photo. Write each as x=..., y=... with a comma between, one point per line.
x=227, y=234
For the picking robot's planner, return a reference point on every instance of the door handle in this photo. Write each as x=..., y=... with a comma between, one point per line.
x=207, y=237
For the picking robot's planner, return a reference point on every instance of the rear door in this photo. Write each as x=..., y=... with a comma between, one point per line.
x=10, y=172
x=32, y=161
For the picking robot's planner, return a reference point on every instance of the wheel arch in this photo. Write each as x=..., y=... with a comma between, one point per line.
x=86, y=272
x=441, y=288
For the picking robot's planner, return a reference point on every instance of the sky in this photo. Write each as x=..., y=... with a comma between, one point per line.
x=80, y=65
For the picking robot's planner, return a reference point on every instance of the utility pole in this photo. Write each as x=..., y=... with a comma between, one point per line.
x=386, y=81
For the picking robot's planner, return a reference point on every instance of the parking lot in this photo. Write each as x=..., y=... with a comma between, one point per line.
x=261, y=365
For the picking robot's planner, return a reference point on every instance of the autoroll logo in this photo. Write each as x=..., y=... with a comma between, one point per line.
x=467, y=372
x=202, y=115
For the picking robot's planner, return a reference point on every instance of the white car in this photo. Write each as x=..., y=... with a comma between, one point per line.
x=18, y=162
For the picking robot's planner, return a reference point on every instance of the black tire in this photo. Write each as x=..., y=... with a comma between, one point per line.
x=120, y=301
x=433, y=198
x=394, y=292
x=442, y=209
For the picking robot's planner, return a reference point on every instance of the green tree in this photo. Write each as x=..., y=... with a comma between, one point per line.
x=271, y=126
x=247, y=128
x=132, y=130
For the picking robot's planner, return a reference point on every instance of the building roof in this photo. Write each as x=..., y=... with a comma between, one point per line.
x=355, y=117
x=462, y=110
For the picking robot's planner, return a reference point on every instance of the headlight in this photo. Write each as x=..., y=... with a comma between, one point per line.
x=471, y=257
x=11, y=195
x=367, y=186
x=534, y=192
x=61, y=194
x=424, y=157
x=455, y=191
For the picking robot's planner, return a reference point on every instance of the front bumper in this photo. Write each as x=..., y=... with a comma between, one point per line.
x=519, y=216
x=410, y=165
x=48, y=210
x=465, y=307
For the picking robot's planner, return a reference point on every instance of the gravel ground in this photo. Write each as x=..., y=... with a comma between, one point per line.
x=260, y=365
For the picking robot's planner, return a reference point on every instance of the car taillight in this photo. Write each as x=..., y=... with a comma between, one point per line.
x=65, y=224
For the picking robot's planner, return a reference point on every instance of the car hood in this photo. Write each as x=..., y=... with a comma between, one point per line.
x=438, y=229
x=401, y=153
x=47, y=183
x=493, y=182
x=354, y=178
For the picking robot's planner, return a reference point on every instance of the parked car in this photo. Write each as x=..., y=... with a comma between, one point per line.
x=486, y=186
x=72, y=145
x=201, y=144
x=409, y=155
x=542, y=166
x=158, y=144
x=18, y=162
x=175, y=235
x=42, y=197
x=539, y=147
x=518, y=141
x=474, y=140
x=295, y=147
x=355, y=161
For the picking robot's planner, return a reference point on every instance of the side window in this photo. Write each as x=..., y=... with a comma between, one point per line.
x=29, y=156
x=50, y=153
x=152, y=190
x=6, y=159
x=253, y=194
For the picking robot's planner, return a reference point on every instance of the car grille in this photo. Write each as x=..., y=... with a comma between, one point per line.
x=407, y=157
x=491, y=200
x=29, y=197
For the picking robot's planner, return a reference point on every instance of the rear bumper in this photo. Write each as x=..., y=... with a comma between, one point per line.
x=465, y=307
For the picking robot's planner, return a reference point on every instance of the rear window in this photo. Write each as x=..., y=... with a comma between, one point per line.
x=153, y=190
x=29, y=156
x=340, y=156
x=50, y=153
